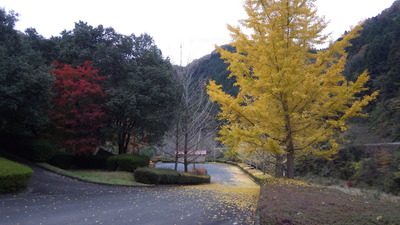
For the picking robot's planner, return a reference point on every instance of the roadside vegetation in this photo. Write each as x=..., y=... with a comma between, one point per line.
x=142, y=176
x=347, y=187
x=285, y=202
x=168, y=176
x=13, y=176
x=317, y=200
x=356, y=167
x=100, y=176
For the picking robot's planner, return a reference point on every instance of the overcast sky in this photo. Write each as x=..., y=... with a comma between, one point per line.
x=197, y=25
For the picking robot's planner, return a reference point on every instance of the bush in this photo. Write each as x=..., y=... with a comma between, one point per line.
x=390, y=184
x=342, y=166
x=39, y=150
x=31, y=148
x=366, y=171
x=127, y=162
x=198, y=171
x=147, y=150
x=368, y=168
x=91, y=161
x=167, y=160
x=65, y=161
x=167, y=176
x=13, y=176
x=62, y=160
x=156, y=159
x=222, y=160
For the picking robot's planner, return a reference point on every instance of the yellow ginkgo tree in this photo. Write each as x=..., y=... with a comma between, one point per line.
x=292, y=99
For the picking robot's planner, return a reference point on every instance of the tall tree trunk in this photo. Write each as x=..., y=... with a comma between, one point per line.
x=185, y=161
x=278, y=165
x=289, y=142
x=290, y=164
x=177, y=147
x=121, y=143
x=127, y=140
x=176, y=160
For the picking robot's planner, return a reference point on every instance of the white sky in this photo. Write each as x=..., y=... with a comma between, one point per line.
x=197, y=25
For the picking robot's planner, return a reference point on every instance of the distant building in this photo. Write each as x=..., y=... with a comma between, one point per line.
x=193, y=156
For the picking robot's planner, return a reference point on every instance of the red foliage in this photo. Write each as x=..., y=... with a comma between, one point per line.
x=350, y=184
x=198, y=171
x=79, y=108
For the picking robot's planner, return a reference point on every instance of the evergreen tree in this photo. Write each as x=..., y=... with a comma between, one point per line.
x=140, y=90
x=25, y=84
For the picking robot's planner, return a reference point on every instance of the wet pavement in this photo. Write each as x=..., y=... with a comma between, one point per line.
x=223, y=174
x=53, y=199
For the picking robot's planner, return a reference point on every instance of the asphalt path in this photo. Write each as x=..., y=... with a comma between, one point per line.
x=223, y=174
x=53, y=199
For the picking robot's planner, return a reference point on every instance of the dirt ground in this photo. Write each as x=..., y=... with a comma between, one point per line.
x=289, y=204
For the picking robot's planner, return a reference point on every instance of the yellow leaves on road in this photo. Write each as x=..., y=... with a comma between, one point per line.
x=227, y=201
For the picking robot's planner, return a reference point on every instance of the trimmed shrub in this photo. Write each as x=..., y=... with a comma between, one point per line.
x=167, y=176
x=198, y=171
x=127, y=162
x=13, y=176
x=62, y=160
x=91, y=161
x=167, y=160
x=156, y=159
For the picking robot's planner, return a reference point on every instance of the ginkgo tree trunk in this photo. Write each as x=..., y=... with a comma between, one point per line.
x=292, y=99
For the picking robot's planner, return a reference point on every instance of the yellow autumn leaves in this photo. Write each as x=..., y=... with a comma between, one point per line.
x=292, y=98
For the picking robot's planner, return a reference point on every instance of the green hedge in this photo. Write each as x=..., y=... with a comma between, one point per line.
x=91, y=161
x=62, y=160
x=69, y=160
x=167, y=176
x=39, y=150
x=13, y=176
x=127, y=162
x=34, y=149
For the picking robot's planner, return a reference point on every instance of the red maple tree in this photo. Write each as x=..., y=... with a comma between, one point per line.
x=79, y=106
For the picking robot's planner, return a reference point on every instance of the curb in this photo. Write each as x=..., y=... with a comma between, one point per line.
x=256, y=215
x=92, y=182
x=32, y=164
x=252, y=177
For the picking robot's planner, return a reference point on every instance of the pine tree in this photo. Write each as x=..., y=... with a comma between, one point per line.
x=292, y=100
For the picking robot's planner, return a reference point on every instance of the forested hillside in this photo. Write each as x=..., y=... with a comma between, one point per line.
x=213, y=67
x=378, y=51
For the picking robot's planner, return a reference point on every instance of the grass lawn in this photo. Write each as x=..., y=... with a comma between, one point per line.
x=101, y=176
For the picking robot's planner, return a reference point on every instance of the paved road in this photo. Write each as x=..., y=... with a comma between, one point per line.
x=53, y=199
x=223, y=174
